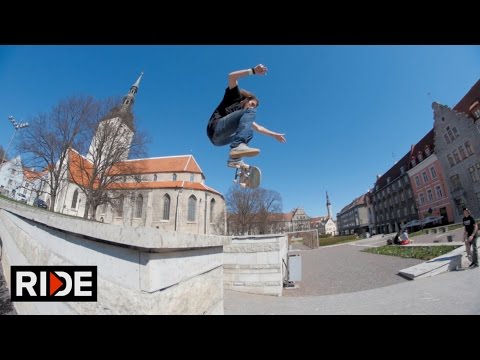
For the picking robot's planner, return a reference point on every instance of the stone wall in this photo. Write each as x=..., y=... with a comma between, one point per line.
x=255, y=264
x=140, y=270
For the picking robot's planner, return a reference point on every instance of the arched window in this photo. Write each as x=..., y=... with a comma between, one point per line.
x=192, y=206
x=166, y=207
x=138, y=206
x=212, y=209
x=74, y=199
x=119, y=207
x=155, y=177
x=174, y=177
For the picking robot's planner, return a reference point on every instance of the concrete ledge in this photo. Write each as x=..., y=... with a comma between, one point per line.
x=138, y=237
x=447, y=262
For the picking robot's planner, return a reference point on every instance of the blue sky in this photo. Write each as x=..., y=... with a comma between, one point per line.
x=348, y=112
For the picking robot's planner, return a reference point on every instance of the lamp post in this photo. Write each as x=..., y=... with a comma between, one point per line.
x=16, y=126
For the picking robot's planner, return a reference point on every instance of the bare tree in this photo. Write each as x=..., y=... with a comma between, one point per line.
x=2, y=154
x=249, y=209
x=105, y=166
x=46, y=142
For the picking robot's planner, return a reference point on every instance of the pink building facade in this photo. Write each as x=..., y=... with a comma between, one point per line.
x=429, y=187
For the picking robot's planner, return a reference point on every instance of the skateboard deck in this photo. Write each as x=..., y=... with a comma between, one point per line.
x=248, y=176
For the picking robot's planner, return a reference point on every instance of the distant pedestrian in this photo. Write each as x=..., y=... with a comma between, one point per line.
x=470, y=237
x=404, y=240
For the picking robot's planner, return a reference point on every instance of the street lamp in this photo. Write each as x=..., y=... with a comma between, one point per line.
x=16, y=126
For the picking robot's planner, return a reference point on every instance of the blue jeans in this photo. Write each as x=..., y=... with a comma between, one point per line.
x=235, y=128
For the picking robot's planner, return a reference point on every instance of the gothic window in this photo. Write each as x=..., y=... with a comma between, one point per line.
x=166, y=207
x=192, y=206
x=74, y=199
x=212, y=210
x=138, y=206
x=119, y=207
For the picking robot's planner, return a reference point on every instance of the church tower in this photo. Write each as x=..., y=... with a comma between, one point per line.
x=122, y=117
x=329, y=207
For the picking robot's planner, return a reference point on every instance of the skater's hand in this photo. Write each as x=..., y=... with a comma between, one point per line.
x=280, y=137
x=260, y=69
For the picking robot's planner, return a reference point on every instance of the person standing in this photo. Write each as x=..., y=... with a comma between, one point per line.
x=470, y=237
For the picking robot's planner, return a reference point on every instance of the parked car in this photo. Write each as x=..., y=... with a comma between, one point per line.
x=20, y=197
x=40, y=203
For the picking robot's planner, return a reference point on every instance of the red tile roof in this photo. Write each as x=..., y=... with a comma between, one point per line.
x=470, y=97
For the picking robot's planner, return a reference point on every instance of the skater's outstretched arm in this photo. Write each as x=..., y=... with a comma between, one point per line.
x=263, y=130
x=235, y=75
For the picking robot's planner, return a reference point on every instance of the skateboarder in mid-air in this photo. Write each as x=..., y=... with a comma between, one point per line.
x=233, y=121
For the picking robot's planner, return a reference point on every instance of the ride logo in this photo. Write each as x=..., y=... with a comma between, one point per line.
x=53, y=283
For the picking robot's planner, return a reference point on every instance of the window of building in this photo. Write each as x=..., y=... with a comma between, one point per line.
x=74, y=199
x=430, y=195
x=455, y=155
x=473, y=173
x=412, y=209
x=476, y=113
x=450, y=160
x=433, y=173
x=475, y=109
x=468, y=148
x=447, y=140
x=138, y=206
x=425, y=177
x=405, y=211
x=413, y=161
x=174, y=177
x=462, y=152
x=455, y=132
x=419, y=156
x=421, y=198
x=417, y=181
x=212, y=210
x=459, y=205
x=477, y=165
x=427, y=150
x=119, y=207
x=192, y=206
x=154, y=177
x=478, y=198
x=439, y=192
x=166, y=207
x=451, y=136
x=455, y=180
x=191, y=177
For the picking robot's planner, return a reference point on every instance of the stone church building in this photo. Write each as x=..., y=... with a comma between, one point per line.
x=168, y=193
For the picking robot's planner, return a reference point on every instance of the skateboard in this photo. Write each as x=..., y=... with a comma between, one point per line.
x=247, y=176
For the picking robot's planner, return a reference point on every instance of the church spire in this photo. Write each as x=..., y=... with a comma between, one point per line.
x=129, y=99
x=329, y=206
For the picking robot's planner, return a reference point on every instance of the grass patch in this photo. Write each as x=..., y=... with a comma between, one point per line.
x=412, y=252
x=337, y=240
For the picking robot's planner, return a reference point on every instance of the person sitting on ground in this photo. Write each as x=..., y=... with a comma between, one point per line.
x=404, y=240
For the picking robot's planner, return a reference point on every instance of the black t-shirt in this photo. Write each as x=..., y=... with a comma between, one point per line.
x=230, y=103
x=469, y=223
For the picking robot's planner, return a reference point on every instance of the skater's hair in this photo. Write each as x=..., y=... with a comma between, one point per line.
x=249, y=96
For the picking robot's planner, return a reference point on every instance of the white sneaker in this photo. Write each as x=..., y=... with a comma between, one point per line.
x=243, y=150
